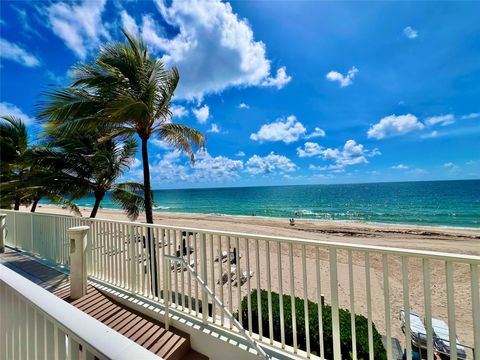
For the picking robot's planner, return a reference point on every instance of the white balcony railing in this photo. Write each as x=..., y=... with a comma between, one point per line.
x=376, y=282
x=35, y=324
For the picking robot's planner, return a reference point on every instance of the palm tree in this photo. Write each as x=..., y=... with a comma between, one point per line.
x=84, y=165
x=13, y=147
x=131, y=92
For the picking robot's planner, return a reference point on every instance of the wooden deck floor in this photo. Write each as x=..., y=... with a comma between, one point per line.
x=145, y=331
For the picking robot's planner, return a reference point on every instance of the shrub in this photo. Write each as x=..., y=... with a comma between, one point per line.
x=361, y=326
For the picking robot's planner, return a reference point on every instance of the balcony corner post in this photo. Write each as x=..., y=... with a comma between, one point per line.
x=78, y=260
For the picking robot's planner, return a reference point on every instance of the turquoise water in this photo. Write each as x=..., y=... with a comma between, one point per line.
x=443, y=203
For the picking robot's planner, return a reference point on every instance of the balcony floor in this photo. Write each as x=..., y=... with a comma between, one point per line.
x=145, y=331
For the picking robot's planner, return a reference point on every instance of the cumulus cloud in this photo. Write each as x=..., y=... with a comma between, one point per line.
x=178, y=111
x=451, y=166
x=14, y=52
x=287, y=130
x=243, y=106
x=213, y=48
x=11, y=109
x=272, y=163
x=202, y=114
x=173, y=167
x=343, y=80
x=160, y=144
x=400, y=167
x=279, y=81
x=310, y=149
x=316, y=133
x=410, y=32
x=79, y=25
x=240, y=154
x=470, y=116
x=442, y=120
x=352, y=153
x=135, y=163
x=394, y=125
x=214, y=129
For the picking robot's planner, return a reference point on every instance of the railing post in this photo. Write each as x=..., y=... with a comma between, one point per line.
x=204, y=269
x=78, y=261
x=166, y=291
x=335, y=316
x=3, y=232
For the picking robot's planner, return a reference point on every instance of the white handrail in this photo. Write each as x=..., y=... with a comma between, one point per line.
x=71, y=326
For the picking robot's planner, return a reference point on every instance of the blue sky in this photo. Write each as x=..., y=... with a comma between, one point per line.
x=287, y=92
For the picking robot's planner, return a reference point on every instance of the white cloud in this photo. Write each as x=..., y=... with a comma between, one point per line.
x=202, y=114
x=135, y=163
x=470, y=116
x=400, y=167
x=287, y=130
x=128, y=23
x=240, y=154
x=279, y=81
x=443, y=120
x=178, y=111
x=79, y=25
x=344, y=81
x=352, y=153
x=394, y=125
x=316, y=133
x=451, y=166
x=160, y=144
x=310, y=149
x=11, y=109
x=410, y=32
x=174, y=167
x=272, y=163
x=243, y=106
x=214, y=49
x=214, y=129
x=430, y=135
x=11, y=51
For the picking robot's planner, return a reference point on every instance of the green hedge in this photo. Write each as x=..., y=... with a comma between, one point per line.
x=361, y=325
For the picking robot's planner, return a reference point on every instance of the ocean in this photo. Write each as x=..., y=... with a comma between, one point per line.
x=439, y=203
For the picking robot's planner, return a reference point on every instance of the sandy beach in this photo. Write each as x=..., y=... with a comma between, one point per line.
x=443, y=239
x=454, y=240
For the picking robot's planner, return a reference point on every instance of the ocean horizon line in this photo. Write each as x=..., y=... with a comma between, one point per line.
x=314, y=184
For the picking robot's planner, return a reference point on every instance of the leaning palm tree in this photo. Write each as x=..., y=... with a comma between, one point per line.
x=13, y=147
x=131, y=92
x=83, y=166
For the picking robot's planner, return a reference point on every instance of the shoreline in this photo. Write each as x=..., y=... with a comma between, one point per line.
x=437, y=238
x=297, y=219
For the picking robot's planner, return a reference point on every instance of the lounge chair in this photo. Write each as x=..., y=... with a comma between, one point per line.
x=244, y=278
x=224, y=279
x=441, y=340
x=417, y=329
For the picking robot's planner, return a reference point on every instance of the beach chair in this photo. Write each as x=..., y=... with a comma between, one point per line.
x=441, y=340
x=221, y=258
x=224, y=279
x=244, y=278
x=417, y=330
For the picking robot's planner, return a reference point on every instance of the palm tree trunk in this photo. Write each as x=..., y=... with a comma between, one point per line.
x=98, y=199
x=146, y=182
x=149, y=215
x=17, y=203
x=34, y=205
